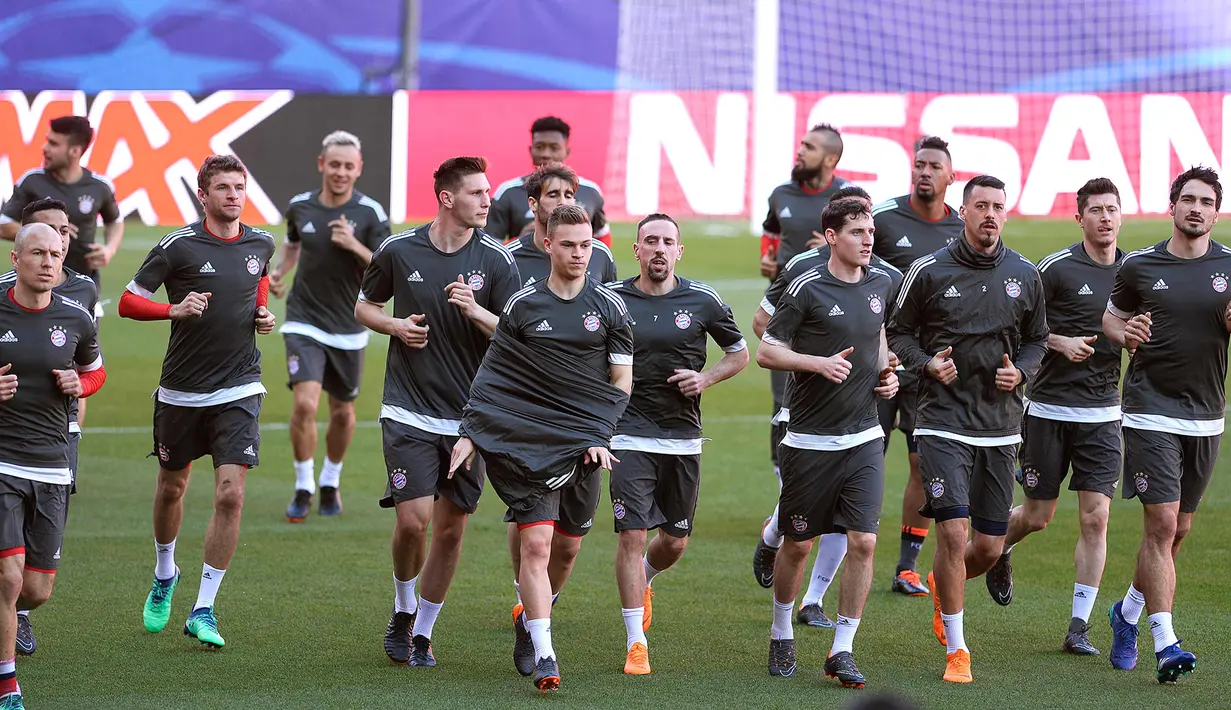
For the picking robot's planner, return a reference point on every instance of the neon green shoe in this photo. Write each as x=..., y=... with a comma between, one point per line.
x=203, y=626
x=157, y=610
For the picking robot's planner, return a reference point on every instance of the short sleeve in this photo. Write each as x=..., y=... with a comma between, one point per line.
x=1125, y=299
x=609, y=269
x=771, y=224
x=788, y=316
x=377, y=232
x=15, y=204
x=89, y=355
x=722, y=328
x=377, y=285
x=620, y=338
x=598, y=222
x=292, y=225
x=108, y=209
x=152, y=274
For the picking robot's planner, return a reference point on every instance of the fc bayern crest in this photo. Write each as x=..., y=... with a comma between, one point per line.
x=683, y=320
x=800, y=524
x=398, y=479
x=1030, y=478
x=292, y=364
x=254, y=265
x=58, y=338
x=475, y=281
x=619, y=510
x=163, y=454
x=1219, y=283
x=1140, y=483
x=85, y=203
x=875, y=304
x=938, y=488
x=1013, y=288
x=591, y=322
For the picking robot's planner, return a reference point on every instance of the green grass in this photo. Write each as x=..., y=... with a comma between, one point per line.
x=303, y=607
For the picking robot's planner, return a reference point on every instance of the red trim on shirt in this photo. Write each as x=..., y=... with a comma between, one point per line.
x=809, y=191
x=92, y=381
x=27, y=310
x=262, y=292
x=141, y=308
x=205, y=226
x=911, y=201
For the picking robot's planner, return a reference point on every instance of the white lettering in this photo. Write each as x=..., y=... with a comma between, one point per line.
x=977, y=154
x=883, y=157
x=1168, y=121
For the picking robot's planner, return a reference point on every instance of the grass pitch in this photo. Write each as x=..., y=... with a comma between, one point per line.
x=304, y=607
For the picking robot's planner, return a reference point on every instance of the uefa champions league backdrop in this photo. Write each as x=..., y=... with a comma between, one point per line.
x=691, y=107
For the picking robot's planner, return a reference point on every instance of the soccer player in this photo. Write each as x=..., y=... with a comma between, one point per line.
x=335, y=229
x=543, y=410
x=970, y=320
x=50, y=355
x=910, y=227
x=831, y=549
x=80, y=289
x=1169, y=306
x=447, y=280
x=511, y=215
x=1073, y=414
x=658, y=440
x=215, y=272
x=832, y=456
x=548, y=187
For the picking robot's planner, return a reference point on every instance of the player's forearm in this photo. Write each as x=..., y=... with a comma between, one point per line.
x=1030, y=358
x=262, y=292
x=760, y=320
x=92, y=381
x=622, y=377
x=883, y=357
x=1056, y=342
x=135, y=307
x=728, y=366
x=288, y=258
x=906, y=346
x=8, y=230
x=114, y=235
x=772, y=356
x=373, y=316
x=1114, y=327
x=485, y=320
x=363, y=254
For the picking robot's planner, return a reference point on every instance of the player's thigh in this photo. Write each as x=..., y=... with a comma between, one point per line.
x=74, y=444
x=863, y=488
x=46, y=515
x=412, y=462
x=14, y=492
x=1096, y=457
x=991, y=488
x=632, y=484
x=343, y=373
x=679, y=487
x=305, y=359
x=529, y=502
x=181, y=435
x=466, y=485
x=1200, y=455
x=1153, y=466
x=235, y=432
x=578, y=501
x=1045, y=454
x=907, y=400
x=946, y=467
x=809, y=492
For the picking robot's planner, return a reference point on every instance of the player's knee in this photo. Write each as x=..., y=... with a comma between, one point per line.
x=986, y=549
x=1183, y=526
x=341, y=413
x=171, y=486
x=409, y=526
x=860, y=545
x=674, y=545
x=1094, y=521
x=632, y=541
x=305, y=405
x=1160, y=525
x=535, y=550
x=34, y=595
x=10, y=584
x=229, y=497
x=1037, y=519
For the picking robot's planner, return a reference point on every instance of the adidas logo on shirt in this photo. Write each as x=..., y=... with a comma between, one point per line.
x=1160, y=285
x=836, y=311
x=543, y=327
x=905, y=242
x=953, y=292
x=8, y=337
x=249, y=452
x=683, y=524
x=308, y=228
x=1085, y=290
x=208, y=268
x=415, y=278
x=529, y=281
x=785, y=213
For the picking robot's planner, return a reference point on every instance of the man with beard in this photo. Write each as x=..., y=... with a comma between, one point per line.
x=908, y=228
x=335, y=229
x=1169, y=306
x=970, y=320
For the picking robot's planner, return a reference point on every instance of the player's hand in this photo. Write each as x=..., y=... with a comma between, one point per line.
x=1137, y=331
x=98, y=256
x=411, y=331
x=342, y=234
x=601, y=456
x=68, y=381
x=277, y=286
x=690, y=382
x=193, y=306
x=836, y=368
x=817, y=240
x=769, y=266
x=894, y=361
x=1078, y=348
x=461, y=295
x=1008, y=377
x=8, y=383
x=264, y=321
x=888, y=385
x=942, y=367
x=72, y=230
x=463, y=453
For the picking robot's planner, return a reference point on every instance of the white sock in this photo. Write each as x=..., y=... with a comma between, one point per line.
x=554, y=597
x=844, y=635
x=404, y=595
x=517, y=589
x=1083, y=601
x=770, y=535
x=331, y=473
x=955, y=635
x=164, y=560
x=777, y=475
x=782, y=629
x=1134, y=603
x=211, y=579
x=426, y=618
x=305, y=475
x=650, y=572
x=829, y=555
x=1164, y=635
x=540, y=634
x=633, y=619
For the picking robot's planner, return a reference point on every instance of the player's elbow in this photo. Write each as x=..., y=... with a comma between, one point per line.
x=8, y=230
x=739, y=360
x=760, y=319
x=127, y=306
x=767, y=356
x=1113, y=328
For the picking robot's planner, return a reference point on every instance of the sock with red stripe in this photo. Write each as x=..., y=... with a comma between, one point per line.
x=912, y=543
x=8, y=678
